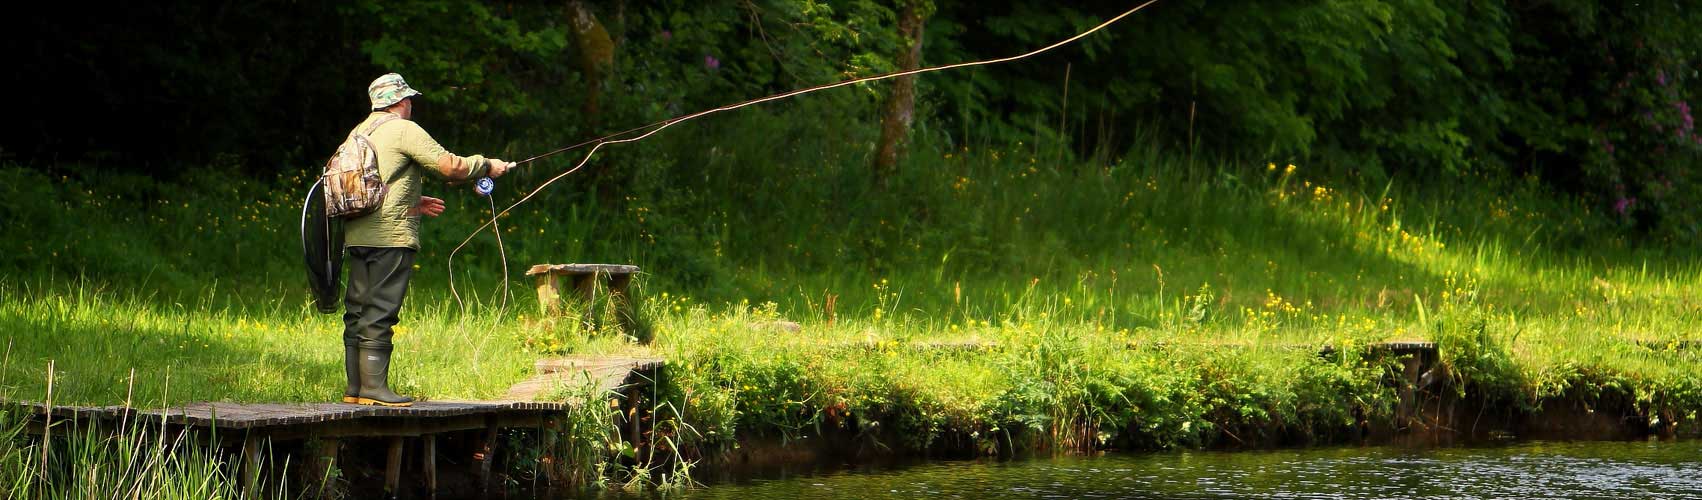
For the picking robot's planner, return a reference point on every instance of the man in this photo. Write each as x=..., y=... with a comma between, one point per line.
x=380, y=246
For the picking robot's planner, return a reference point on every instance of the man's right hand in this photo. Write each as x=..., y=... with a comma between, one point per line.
x=499, y=167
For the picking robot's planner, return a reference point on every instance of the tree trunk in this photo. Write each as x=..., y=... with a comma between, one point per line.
x=900, y=108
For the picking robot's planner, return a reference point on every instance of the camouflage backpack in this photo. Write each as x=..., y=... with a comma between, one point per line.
x=353, y=186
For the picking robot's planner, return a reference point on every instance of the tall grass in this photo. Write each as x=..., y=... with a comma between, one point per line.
x=75, y=458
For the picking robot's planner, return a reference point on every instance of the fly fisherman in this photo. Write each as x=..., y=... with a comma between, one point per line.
x=381, y=245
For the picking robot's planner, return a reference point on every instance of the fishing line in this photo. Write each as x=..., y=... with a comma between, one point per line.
x=484, y=187
x=651, y=129
x=497, y=228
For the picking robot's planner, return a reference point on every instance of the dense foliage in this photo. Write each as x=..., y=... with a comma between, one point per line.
x=1587, y=97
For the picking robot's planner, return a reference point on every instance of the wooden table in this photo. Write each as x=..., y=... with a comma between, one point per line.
x=584, y=279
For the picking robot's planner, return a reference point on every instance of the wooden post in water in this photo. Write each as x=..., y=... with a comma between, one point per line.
x=430, y=463
x=1404, y=410
x=548, y=432
x=487, y=454
x=251, y=458
x=325, y=452
x=393, y=468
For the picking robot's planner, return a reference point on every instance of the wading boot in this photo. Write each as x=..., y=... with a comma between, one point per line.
x=374, y=382
x=351, y=368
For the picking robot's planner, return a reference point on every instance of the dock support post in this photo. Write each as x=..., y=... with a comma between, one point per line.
x=251, y=457
x=393, y=468
x=552, y=467
x=325, y=452
x=487, y=454
x=430, y=465
x=1410, y=371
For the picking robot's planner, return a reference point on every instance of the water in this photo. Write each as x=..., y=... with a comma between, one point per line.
x=1609, y=470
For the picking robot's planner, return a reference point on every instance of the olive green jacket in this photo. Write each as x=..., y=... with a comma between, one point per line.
x=405, y=151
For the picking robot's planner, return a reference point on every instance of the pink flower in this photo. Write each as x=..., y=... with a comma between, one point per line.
x=1623, y=204
x=667, y=35
x=711, y=62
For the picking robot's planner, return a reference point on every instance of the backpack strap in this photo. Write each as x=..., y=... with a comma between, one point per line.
x=374, y=128
x=380, y=121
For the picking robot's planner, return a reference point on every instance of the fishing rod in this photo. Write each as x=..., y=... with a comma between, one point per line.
x=485, y=185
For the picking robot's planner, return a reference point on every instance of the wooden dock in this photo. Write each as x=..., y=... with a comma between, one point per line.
x=262, y=426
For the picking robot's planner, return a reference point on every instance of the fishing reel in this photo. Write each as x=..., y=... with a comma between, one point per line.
x=484, y=186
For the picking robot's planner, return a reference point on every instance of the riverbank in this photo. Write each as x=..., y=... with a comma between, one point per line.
x=1155, y=309
x=745, y=381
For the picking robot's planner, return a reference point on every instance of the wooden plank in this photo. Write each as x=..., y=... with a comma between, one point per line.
x=243, y=416
x=1405, y=346
x=553, y=365
x=608, y=373
x=570, y=269
x=379, y=427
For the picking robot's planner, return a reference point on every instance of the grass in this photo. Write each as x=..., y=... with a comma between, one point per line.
x=88, y=462
x=1142, y=302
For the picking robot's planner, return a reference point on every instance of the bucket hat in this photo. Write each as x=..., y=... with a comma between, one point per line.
x=388, y=90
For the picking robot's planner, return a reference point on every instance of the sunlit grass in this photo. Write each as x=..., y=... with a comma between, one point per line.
x=1147, y=301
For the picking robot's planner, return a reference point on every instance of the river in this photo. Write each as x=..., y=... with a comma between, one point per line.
x=1569, y=470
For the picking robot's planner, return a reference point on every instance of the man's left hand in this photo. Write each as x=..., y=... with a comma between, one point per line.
x=429, y=207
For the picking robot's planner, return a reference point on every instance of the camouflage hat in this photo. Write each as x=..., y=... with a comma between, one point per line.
x=388, y=90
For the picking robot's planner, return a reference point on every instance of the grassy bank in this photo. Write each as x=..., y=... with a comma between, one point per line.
x=1143, y=302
